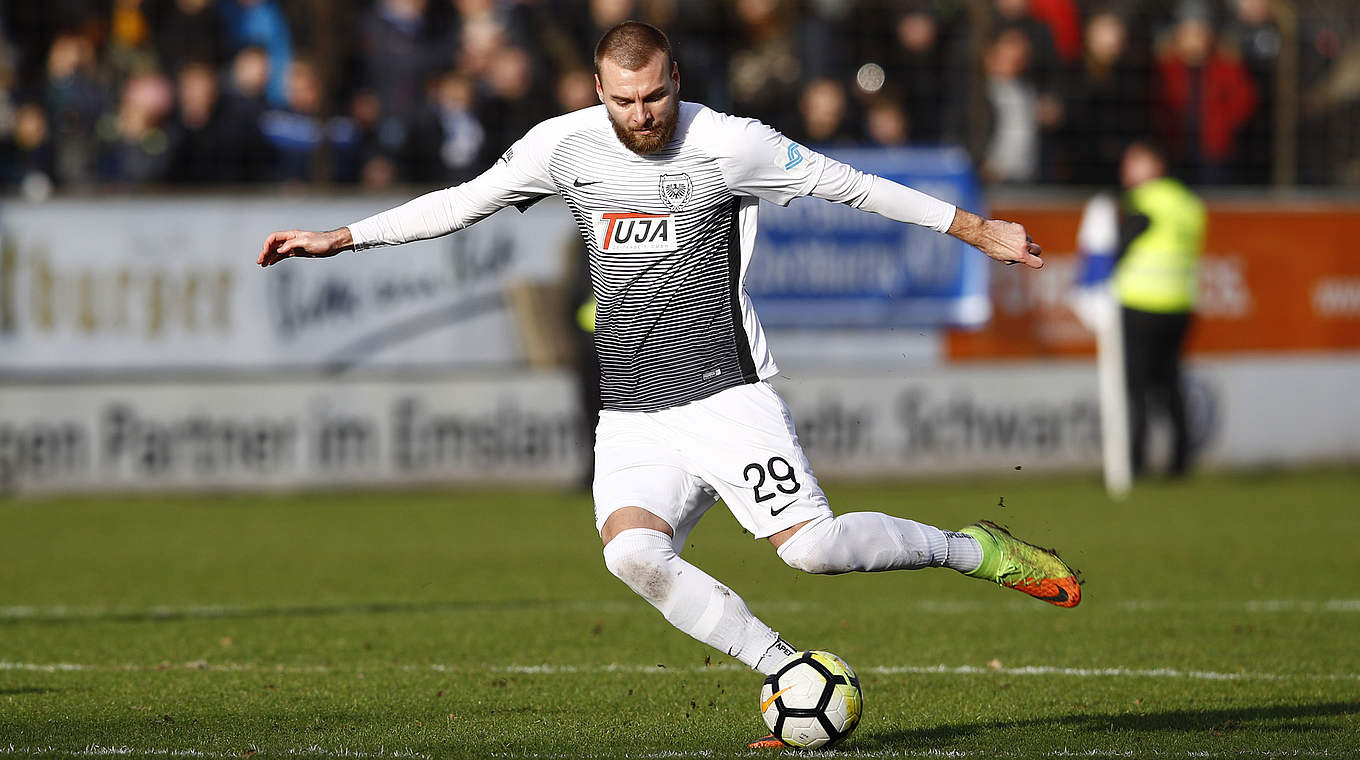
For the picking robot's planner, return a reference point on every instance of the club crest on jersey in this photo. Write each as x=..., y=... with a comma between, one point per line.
x=629, y=232
x=675, y=189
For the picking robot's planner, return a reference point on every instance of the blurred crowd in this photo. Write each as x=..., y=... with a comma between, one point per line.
x=122, y=94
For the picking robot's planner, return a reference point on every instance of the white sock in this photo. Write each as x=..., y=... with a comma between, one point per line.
x=779, y=651
x=690, y=599
x=870, y=542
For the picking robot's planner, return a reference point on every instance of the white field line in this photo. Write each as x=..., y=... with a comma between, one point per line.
x=935, y=753
x=315, y=750
x=549, y=670
x=60, y=612
x=99, y=750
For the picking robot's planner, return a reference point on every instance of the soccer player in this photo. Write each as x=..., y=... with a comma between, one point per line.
x=666, y=194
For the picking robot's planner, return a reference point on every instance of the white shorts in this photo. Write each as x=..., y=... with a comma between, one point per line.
x=738, y=445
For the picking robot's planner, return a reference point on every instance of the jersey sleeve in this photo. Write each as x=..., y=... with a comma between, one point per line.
x=761, y=162
x=519, y=177
x=843, y=183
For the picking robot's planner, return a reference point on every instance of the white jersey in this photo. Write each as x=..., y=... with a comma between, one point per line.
x=670, y=236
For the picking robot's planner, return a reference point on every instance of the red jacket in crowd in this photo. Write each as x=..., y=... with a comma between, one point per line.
x=1227, y=99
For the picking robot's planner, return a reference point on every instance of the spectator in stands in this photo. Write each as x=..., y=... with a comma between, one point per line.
x=401, y=51
x=511, y=102
x=134, y=146
x=1108, y=103
x=27, y=158
x=700, y=28
x=298, y=132
x=462, y=143
x=187, y=31
x=261, y=23
x=575, y=89
x=198, y=154
x=74, y=102
x=825, y=112
x=587, y=20
x=1064, y=26
x=1044, y=66
x=128, y=49
x=1206, y=98
x=886, y=123
x=924, y=57
x=1329, y=68
x=766, y=65
x=249, y=157
x=1044, y=71
x=7, y=86
x=1012, y=152
x=479, y=39
x=378, y=142
x=1256, y=37
x=511, y=19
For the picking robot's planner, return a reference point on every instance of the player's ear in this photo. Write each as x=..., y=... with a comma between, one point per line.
x=599, y=88
x=675, y=74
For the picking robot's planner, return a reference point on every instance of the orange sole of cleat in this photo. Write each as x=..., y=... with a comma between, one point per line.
x=766, y=742
x=1064, y=592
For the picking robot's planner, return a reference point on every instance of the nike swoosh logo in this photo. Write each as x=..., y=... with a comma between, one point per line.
x=578, y=183
x=1059, y=597
x=765, y=703
x=775, y=512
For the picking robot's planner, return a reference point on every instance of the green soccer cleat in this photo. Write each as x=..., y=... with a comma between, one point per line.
x=1010, y=562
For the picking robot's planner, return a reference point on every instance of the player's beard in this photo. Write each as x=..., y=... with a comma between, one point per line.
x=662, y=130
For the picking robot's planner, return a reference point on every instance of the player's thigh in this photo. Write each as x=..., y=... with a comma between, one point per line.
x=743, y=443
x=635, y=467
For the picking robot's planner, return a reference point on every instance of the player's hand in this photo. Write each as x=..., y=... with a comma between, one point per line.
x=1008, y=242
x=1004, y=241
x=303, y=243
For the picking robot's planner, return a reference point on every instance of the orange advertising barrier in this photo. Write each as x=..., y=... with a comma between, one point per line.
x=1273, y=279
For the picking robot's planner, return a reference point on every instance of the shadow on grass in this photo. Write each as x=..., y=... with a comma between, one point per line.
x=1272, y=718
x=25, y=690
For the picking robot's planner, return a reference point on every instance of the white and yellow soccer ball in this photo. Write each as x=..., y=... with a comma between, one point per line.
x=812, y=701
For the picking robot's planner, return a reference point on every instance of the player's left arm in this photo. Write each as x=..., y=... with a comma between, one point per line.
x=1000, y=240
x=760, y=161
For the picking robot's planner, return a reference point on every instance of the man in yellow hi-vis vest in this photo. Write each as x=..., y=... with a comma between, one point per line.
x=1155, y=280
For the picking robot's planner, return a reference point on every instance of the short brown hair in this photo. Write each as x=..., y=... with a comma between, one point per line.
x=632, y=45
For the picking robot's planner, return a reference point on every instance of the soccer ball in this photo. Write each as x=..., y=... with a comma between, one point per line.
x=812, y=701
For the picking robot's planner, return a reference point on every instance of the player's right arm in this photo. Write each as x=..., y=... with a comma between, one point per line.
x=518, y=176
x=289, y=244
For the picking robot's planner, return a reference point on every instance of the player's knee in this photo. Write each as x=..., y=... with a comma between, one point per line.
x=641, y=558
x=813, y=550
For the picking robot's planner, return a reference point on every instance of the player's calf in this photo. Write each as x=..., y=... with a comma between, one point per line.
x=872, y=542
x=691, y=600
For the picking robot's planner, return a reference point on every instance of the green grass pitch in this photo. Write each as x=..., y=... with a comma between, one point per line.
x=1221, y=618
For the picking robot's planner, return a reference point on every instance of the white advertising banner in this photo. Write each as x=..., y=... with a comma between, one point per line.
x=289, y=434
x=516, y=427
x=172, y=284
